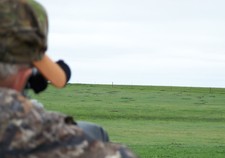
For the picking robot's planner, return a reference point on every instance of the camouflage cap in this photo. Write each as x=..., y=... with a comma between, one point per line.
x=23, y=31
x=23, y=38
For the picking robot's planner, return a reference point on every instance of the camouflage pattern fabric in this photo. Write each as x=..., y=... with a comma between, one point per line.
x=23, y=31
x=27, y=131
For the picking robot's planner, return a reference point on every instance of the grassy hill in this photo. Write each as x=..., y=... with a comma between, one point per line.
x=158, y=122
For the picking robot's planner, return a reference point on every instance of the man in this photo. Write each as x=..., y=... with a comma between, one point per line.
x=27, y=131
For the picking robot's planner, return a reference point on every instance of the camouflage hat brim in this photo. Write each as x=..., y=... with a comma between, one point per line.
x=52, y=71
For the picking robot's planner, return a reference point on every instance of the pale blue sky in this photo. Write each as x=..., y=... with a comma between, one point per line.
x=140, y=42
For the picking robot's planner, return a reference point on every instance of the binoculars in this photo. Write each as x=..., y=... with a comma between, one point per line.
x=37, y=81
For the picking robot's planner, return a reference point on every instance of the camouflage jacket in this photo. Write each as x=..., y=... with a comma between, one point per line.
x=27, y=131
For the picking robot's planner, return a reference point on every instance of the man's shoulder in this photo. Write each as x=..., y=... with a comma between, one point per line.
x=8, y=95
x=12, y=102
x=28, y=131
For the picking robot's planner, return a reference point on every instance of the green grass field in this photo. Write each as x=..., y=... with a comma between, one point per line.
x=158, y=122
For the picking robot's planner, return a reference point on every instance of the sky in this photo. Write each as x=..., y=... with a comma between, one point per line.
x=139, y=42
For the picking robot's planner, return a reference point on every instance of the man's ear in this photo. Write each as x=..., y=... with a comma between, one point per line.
x=21, y=79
